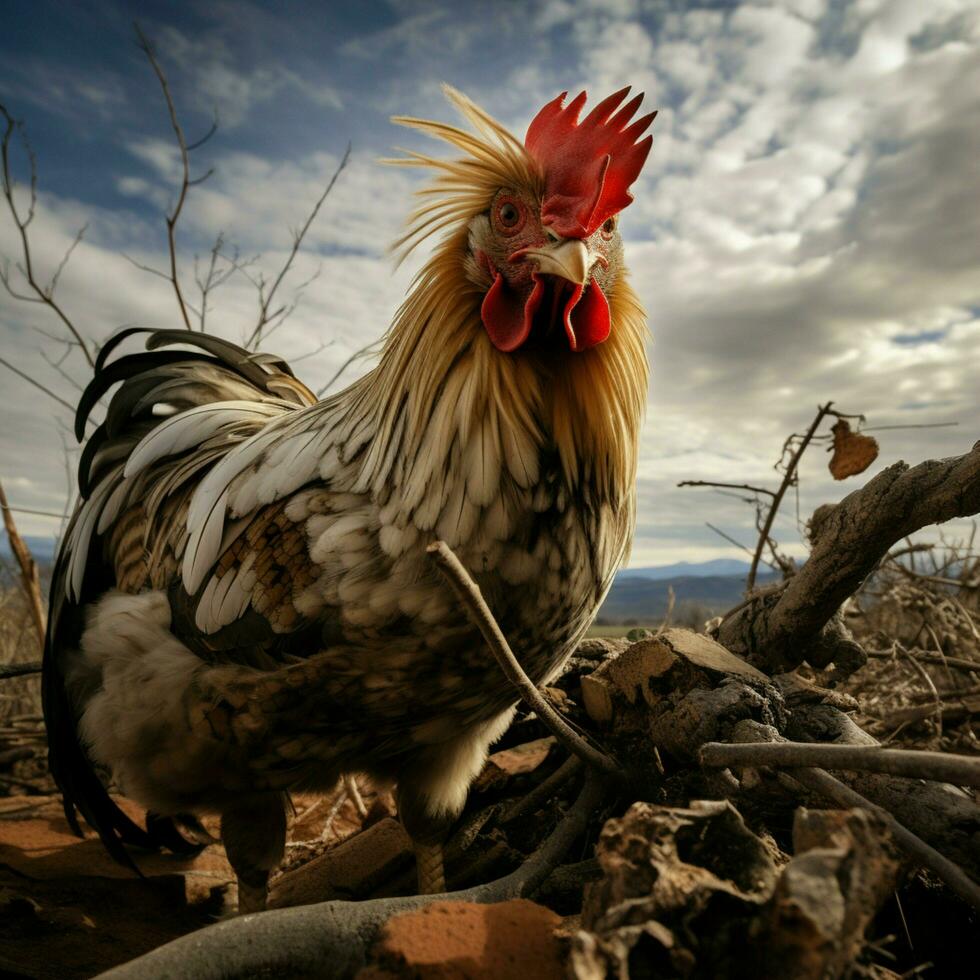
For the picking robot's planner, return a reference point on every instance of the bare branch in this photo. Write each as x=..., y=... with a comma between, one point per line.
x=363, y=352
x=56, y=366
x=312, y=353
x=45, y=513
x=942, y=767
x=731, y=540
x=37, y=384
x=145, y=268
x=544, y=791
x=186, y=182
x=41, y=294
x=28, y=568
x=215, y=276
x=777, y=499
x=197, y=144
x=265, y=299
x=469, y=593
x=729, y=486
x=927, y=425
x=53, y=285
x=19, y=670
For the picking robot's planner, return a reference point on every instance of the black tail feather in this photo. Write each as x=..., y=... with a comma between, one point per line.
x=82, y=790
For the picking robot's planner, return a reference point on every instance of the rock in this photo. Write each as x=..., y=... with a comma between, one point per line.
x=465, y=941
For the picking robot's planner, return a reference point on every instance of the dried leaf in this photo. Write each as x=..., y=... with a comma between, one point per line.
x=853, y=452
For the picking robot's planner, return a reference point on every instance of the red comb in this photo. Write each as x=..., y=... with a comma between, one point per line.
x=588, y=165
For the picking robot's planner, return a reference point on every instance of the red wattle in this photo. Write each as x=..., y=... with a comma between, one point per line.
x=508, y=314
x=586, y=317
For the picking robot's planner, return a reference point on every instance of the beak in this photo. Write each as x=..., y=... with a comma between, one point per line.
x=568, y=258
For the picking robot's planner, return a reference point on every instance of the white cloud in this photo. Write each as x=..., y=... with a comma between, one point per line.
x=220, y=83
x=806, y=227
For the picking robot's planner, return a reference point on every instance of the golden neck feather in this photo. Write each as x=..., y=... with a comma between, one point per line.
x=440, y=380
x=439, y=370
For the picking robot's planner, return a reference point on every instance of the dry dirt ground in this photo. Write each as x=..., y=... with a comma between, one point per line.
x=68, y=911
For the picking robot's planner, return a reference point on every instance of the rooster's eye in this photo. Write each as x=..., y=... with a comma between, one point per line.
x=510, y=216
x=608, y=227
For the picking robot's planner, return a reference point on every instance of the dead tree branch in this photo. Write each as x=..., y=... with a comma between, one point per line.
x=960, y=663
x=469, y=594
x=266, y=298
x=186, y=181
x=944, y=815
x=362, y=352
x=942, y=767
x=788, y=478
x=544, y=791
x=37, y=384
x=19, y=670
x=727, y=486
x=41, y=294
x=849, y=540
x=28, y=569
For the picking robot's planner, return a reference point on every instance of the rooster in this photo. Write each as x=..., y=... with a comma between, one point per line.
x=243, y=604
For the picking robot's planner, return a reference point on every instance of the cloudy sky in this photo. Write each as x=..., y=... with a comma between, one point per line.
x=806, y=228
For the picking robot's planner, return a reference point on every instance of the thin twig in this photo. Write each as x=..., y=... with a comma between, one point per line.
x=28, y=568
x=544, y=791
x=927, y=425
x=39, y=513
x=42, y=294
x=19, y=670
x=37, y=384
x=777, y=499
x=729, y=486
x=940, y=767
x=350, y=781
x=335, y=808
x=186, y=182
x=265, y=299
x=924, y=674
x=471, y=597
x=956, y=583
x=665, y=622
x=960, y=663
x=363, y=352
x=728, y=538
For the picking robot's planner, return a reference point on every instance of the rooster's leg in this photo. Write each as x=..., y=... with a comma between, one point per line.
x=428, y=831
x=432, y=792
x=428, y=859
x=254, y=834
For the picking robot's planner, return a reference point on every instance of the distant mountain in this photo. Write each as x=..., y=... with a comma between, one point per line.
x=687, y=569
x=644, y=600
x=638, y=594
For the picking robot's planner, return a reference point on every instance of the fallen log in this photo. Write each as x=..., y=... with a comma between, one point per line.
x=782, y=629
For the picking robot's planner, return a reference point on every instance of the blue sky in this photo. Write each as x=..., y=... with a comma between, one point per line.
x=806, y=227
